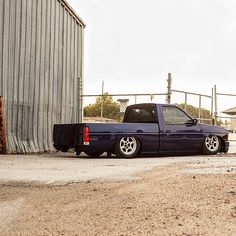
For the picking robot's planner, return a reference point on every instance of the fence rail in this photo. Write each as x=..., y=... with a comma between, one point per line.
x=110, y=107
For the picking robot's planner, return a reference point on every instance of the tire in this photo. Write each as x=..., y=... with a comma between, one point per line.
x=212, y=145
x=94, y=154
x=77, y=151
x=77, y=154
x=127, y=147
x=64, y=149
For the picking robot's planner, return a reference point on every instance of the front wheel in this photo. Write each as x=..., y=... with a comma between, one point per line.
x=127, y=147
x=211, y=145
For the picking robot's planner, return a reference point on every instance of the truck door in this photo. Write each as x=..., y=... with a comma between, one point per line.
x=179, y=132
x=144, y=118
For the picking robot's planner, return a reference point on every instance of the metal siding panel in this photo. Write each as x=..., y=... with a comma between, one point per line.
x=1, y=44
x=56, y=65
x=46, y=75
x=21, y=76
x=10, y=79
x=16, y=46
x=12, y=137
x=75, y=71
x=68, y=74
x=73, y=98
x=39, y=74
x=41, y=77
x=63, y=95
x=32, y=35
x=80, y=66
x=61, y=66
x=27, y=84
x=6, y=67
x=78, y=71
x=51, y=73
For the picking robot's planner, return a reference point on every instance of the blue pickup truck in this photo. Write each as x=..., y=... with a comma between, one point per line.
x=146, y=129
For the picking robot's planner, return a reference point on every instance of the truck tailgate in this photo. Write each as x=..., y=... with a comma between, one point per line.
x=68, y=135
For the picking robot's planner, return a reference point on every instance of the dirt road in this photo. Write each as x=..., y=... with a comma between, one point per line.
x=197, y=198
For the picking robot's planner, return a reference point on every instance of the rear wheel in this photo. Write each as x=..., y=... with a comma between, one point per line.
x=211, y=145
x=64, y=149
x=127, y=147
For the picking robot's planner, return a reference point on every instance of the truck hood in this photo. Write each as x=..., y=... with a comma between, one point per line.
x=213, y=129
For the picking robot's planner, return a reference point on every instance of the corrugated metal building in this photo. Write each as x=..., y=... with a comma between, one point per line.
x=41, y=70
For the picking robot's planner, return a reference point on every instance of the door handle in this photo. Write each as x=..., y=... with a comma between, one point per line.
x=168, y=131
x=139, y=131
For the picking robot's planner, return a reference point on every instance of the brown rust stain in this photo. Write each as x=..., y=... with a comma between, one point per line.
x=3, y=148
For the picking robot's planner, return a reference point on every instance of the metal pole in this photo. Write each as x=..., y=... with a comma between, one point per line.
x=80, y=114
x=168, y=96
x=102, y=100
x=215, y=98
x=81, y=82
x=199, y=109
x=212, y=105
x=185, y=101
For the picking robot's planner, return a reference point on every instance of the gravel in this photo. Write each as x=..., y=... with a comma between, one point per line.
x=194, y=195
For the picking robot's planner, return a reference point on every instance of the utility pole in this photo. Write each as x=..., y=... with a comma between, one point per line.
x=102, y=100
x=168, y=96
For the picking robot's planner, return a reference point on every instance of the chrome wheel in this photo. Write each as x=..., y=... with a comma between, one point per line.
x=212, y=144
x=127, y=147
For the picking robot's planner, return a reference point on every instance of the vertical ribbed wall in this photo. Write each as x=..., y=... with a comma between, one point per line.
x=41, y=66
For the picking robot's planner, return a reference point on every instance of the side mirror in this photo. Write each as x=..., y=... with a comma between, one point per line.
x=191, y=122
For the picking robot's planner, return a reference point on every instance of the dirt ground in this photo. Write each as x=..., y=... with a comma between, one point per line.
x=178, y=199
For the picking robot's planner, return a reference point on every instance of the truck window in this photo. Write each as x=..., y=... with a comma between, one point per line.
x=141, y=115
x=173, y=115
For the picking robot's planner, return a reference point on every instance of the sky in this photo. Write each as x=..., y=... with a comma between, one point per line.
x=132, y=45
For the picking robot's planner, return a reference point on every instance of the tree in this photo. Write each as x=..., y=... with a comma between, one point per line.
x=194, y=112
x=111, y=109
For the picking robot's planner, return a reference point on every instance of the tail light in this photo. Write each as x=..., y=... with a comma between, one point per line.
x=86, y=137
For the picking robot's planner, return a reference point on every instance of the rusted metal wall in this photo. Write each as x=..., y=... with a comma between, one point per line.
x=41, y=70
x=2, y=129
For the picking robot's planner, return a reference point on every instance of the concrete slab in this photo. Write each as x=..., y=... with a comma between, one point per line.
x=65, y=168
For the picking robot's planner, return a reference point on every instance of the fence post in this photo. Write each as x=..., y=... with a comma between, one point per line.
x=215, y=112
x=212, y=107
x=3, y=148
x=185, y=101
x=199, y=108
x=168, y=96
x=102, y=103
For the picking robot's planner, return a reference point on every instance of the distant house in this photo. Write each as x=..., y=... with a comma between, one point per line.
x=232, y=123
